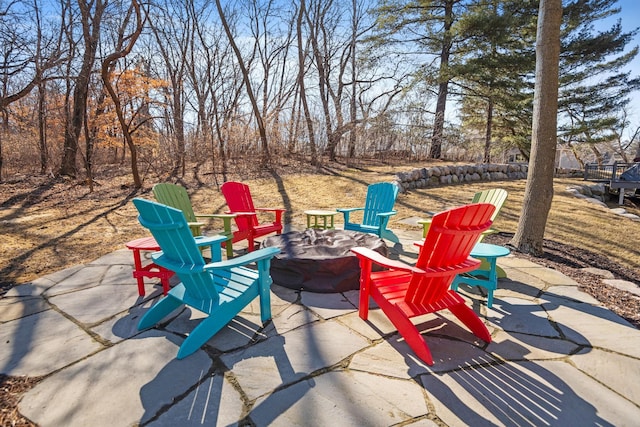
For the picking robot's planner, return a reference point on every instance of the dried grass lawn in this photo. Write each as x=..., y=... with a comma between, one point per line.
x=51, y=225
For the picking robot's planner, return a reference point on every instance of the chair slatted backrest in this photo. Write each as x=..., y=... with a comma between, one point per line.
x=175, y=196
x=238, y=198
x=179, y=250
x=380, y=199
x=451, y=237
x=495, y=196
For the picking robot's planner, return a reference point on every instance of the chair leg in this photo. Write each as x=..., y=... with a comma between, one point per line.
x=201, y=334
x=389, y=235
x=264, y=290
x=407, y=329
x=156, y=313
x=471, y=320
x=365, y=287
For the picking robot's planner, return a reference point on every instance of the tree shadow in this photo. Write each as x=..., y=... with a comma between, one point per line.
x=217, y=397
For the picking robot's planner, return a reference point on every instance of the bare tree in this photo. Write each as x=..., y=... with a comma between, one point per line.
x=301, y=85
x=272, y=27
x=538, y=193
x=91, y=14
x=123, y=48
x=621, y=146
x=25, y=59
x=173, y=31
x=265, y=155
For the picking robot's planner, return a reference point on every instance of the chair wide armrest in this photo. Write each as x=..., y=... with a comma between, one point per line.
x=277, y=211
x=349, y=209
x=346, y=211
x=271, y=209
x=209, y=240
x=387, y=214
x=251, y=257
x=221, y=216
x=383, y=261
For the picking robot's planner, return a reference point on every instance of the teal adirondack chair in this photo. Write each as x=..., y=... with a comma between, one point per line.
x=221, y=289
x=177, y=197
x=376, y=212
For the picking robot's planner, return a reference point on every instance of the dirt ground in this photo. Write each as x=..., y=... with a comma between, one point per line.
x=51, y=224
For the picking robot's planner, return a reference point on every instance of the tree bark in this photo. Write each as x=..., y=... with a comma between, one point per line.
x=266, y=157
x=303, y=93
x=106, y=77
x=538, y=193
x=488, y=131
x=435, y=151
x=91, y=35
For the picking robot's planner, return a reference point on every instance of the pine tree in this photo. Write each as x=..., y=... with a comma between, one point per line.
x=426, y=29
x=594, y=84
x=495, y=73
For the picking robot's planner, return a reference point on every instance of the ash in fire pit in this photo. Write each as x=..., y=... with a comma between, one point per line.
x=320, y=260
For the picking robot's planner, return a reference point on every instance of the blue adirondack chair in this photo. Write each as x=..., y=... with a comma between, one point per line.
x=220, y=289
x=376, y=212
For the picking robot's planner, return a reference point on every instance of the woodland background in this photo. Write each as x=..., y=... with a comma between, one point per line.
x=158, y=85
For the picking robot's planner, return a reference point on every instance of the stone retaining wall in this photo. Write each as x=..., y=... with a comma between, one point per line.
x=597, y=194
x=445, y=175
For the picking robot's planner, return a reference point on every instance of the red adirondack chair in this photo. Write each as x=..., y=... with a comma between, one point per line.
x=240, y=203
x=404, y=292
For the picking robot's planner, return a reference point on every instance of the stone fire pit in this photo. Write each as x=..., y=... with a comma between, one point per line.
x=320, y=260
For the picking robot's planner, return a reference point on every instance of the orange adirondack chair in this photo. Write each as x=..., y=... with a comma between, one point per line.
x=404, y=292
x=240, y=203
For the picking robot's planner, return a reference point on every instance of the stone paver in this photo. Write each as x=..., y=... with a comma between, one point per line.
x=342, y=398
x=124, y=384
x=557, y=357
x=42, y=343
x=526, y=393
x=12, y=308
x=623, y=285
x=286, y=358
x=215, y=402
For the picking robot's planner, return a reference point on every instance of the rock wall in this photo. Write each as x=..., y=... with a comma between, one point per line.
x=597, y=194
x=445, y=175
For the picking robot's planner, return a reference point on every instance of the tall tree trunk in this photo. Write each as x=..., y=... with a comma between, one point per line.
x=42, y=126
x=435, y=151
x=4, y=126
x=352, y=105
x=178, y=122
x=91, y=35
x=303, y=93
x=107, y=66
x=489, y=128
x=266, y=157
x=538, y=193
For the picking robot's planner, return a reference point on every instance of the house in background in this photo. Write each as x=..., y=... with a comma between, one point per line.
x=565, y=159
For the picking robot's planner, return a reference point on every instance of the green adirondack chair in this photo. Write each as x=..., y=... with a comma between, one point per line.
x=221, y=289
x=495, y=196
x=176, y=196
x=377, y=210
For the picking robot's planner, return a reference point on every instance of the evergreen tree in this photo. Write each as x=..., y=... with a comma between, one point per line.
x=595, y=85
x=495, y=72
x=426, y=29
